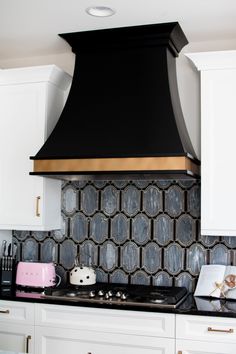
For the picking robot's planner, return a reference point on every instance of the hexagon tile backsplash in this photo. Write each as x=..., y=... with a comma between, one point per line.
x=140, y=232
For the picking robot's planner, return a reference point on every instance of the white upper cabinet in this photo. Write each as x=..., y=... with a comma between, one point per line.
x=31, y=101
x=218, y=141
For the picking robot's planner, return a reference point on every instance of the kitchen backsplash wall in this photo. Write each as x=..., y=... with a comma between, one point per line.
x=143, y=232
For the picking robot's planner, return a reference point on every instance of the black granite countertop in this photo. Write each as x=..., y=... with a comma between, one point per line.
x=190, y=306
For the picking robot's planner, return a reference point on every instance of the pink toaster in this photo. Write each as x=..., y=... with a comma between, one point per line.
x=35, y=274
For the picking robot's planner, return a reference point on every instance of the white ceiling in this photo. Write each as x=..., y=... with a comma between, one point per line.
x=31, y=27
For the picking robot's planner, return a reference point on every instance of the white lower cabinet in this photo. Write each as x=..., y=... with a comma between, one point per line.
x=198, y=347
x=58, y=329
x=17, y=338
x=203, y=334
x=77, y=330
x=17, y=326
x=63, y=340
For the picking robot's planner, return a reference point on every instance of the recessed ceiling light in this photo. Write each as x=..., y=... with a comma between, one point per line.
x=100, y=11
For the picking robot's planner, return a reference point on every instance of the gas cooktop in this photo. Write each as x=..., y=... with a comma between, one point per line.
x=120, y=294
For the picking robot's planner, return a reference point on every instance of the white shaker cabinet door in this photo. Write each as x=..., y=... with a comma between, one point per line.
x=81, y=330
x=218, y=141
x=51, y=340
x=17, y=326
x=200, y=347
x=205, y=335
x=17, y=338
x=28, y=112
x=21, y=127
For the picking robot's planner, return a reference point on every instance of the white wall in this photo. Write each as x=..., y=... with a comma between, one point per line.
x=187, y=76
x=65, y=61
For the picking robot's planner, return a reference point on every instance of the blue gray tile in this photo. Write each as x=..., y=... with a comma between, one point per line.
x=131, y=200
x=140, y=278
x=108, y=256
x=79, y=227
x=119, y=276
x=69, y=200
x=185, y=280
x=164, y=183
x=101, y=276
x=141, y=183
x=59, y=235
x=141, y=232
x=151, y=260
x=162, y=279
x=110, y=200
x=230, y=241
x=99, y=228
x=193, y=201
x=185, y=230
x=130, y=257
x=174, y=201
x=174, y=259
x=39, y=235
x=49, y=251
x=120, y=229
x=68, y=253
x=208, y=241
x=152, y=201
x=220, y=255
x=88, y=254
x=196, y=257
x=30, y=250
x=21, y=235
x=99, y=184
x=186, y=183
x=163, y=231
x=79, y=184
x=120, y=184
x=89, y=200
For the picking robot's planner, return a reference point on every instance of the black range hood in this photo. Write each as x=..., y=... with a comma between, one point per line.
x=123, y=112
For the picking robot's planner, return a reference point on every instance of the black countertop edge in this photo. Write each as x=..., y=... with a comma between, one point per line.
x=190, y=306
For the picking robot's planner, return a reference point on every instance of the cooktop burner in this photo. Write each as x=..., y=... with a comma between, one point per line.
x=120, y=294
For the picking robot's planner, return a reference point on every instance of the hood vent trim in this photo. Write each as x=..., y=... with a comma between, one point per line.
x=123, y=112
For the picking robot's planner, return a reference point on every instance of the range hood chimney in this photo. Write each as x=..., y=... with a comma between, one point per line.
x=123, y=112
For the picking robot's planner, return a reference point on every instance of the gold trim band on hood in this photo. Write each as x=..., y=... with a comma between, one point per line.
x=117, y=164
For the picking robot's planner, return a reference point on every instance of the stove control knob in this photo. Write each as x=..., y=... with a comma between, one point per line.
x=110, y=293
x=124, y=296
x=107, y=296
x=100, y=293
x=118, y=294
x=92, y=294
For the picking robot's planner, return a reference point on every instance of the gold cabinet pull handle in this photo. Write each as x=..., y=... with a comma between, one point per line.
x=180, y=352
x=37, y=206
x=28, y=338
x=5, y=311
x=210, y=329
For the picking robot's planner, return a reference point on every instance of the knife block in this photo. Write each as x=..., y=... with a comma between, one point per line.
x=7, y=274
